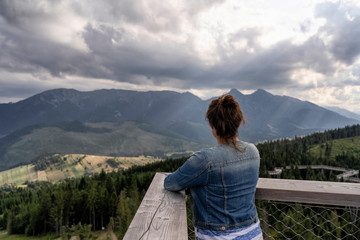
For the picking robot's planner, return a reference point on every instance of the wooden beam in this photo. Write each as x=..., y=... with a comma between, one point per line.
x=315, y=192
x=161, y=214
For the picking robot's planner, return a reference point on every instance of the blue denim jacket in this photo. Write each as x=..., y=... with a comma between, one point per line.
x=222, y=183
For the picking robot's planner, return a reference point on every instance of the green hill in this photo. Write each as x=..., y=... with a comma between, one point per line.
x=103, y=138
x=333, y=148
x=338, y=147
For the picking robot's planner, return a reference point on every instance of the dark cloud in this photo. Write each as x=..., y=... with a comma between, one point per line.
x=112, y=57
x=27, y=14
x=25, y=53
x=115, y=53
x=157, y=61
x=343, y=26
x=272, y=67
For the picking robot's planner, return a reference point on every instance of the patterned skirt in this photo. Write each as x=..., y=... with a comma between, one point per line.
x=251, y=232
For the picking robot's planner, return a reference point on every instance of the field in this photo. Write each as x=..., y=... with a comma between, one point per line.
x=70, y=166
x=338, y=147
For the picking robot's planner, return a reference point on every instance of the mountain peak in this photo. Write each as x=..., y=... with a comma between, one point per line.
x=234, y=92
x=261, y=92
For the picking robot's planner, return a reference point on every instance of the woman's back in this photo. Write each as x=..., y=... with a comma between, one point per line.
x=223, y=189
x=222, y=179
x=232, y=178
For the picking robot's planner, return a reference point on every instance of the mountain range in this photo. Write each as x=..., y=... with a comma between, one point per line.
x=344, y=112
x=154, y=122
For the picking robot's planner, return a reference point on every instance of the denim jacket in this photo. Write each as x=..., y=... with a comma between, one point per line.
x=222, y=183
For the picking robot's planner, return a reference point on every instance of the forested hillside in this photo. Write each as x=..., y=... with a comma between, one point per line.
x=111, y=200
x=315, y=149
x=106, y=198
x=121, y=139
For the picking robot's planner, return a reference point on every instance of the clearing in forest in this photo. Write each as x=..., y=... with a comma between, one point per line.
x=61, y=166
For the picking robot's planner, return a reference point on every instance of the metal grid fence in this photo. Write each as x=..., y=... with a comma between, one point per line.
x=283, y=220
x=300, y=221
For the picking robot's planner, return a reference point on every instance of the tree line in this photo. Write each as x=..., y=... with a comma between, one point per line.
x=97, y=201
x=295, y=152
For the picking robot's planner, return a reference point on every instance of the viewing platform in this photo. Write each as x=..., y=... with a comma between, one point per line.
x=319, y=209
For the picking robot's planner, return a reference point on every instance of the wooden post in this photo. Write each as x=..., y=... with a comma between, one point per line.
x=161, y=214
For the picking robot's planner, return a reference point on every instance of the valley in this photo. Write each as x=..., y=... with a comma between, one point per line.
x=127, y=139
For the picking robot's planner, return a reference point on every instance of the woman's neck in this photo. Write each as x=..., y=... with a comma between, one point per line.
x=221, y=140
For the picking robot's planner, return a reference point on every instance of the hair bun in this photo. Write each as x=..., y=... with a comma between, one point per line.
x=228, y=101
x=225, y=116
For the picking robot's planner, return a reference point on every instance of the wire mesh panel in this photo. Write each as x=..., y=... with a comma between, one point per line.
x=191, y=233
x=282, y=220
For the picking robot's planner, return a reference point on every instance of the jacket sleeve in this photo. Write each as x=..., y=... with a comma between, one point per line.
x=193, y=173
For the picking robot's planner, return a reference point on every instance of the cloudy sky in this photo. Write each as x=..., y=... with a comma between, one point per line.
x=306, y=49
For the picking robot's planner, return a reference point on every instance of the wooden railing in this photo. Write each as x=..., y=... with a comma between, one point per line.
x=162, y=214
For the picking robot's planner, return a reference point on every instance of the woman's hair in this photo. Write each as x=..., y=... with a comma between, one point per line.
x=225, y=115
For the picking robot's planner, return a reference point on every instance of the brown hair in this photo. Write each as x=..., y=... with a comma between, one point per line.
x=226, y=116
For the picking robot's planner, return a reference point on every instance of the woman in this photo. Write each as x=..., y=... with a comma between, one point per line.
x=222, y=179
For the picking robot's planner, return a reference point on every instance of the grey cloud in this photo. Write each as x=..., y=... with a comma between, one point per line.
x=345, y=33
x=25, y=14
x=153, y=16
x=355, y=80
x=156, y=61
x=305, y=26
x=356, y=70
x=113, y=56
x=165, y=62
x=21, y=52
x=272, y=67
x=250, y=35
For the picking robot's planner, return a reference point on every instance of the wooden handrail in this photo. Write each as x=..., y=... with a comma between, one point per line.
x=304, y=191
x=162, y=214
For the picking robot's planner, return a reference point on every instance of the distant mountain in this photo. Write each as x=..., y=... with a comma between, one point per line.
x=344, y=112
x=162, y=108
x=270, y=116
x=61, y=120
x=103, y=138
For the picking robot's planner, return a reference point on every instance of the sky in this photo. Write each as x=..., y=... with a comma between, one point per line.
x=307, y=49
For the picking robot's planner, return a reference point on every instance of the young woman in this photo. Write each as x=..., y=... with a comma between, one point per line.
x=222, y=179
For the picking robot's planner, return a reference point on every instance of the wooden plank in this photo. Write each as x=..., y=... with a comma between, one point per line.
x=315, y=192
x=161, y=214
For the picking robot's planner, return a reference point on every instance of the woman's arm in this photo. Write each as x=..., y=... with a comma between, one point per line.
x=192, y=173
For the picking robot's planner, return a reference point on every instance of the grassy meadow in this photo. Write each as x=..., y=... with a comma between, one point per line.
x=338, y=147
x=71, y=166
